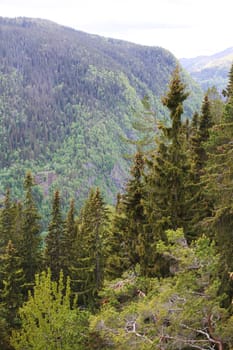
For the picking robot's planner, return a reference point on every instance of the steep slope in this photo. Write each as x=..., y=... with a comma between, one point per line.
x=66, y=98
x=211, y=70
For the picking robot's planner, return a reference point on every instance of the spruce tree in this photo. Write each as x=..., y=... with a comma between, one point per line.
x=11, y=221
x=68, y=239
x=168, y=202
x=30, y=242
x=135, y=243
x=88, y=271
x=205, y=123
x=201, y=126
x=168, y=172
x=6, y=221
x=13, y=284
x=117, y=260
x=219, y=188
x=53, y=241
x=134, y=211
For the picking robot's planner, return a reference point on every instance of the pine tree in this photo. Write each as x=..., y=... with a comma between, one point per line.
x=30, y=242
x=53, y=241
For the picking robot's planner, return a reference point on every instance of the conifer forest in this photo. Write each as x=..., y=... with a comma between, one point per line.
x=151, y=268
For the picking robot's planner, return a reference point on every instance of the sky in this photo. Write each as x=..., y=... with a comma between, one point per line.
x=187, y=28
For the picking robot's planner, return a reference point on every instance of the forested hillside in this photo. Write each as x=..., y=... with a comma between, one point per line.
x=67, y=99
x=211, y=70
x=153, y=272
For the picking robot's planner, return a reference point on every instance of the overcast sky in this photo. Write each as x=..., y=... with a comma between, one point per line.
x=187, y=28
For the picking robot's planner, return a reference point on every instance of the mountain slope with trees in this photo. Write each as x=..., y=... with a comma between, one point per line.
x=210, y=70
x=67, y=100
x=155, y=272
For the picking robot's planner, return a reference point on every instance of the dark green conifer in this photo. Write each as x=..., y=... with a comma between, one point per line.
x=6, y=221
x=167, y=179
x=88, y=271
x=202, y=136
x=219, y=188
x=68, y=239
x=13, y=285
x=30, y=242
x=135, y=242
x=117, y=260
x=53, y=241
x=201, y=126
x=168, y=202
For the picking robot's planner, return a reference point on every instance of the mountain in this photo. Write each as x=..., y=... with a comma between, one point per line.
x=211, y=70
x=67, y=100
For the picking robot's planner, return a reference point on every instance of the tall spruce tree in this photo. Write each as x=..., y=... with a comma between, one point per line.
x=53, y=241
x=200, y=132
x=30, y=242
x=117, y=260
x=11, y=221
x=68, y=239
x=6, y=221
x=88, y=271
x=203, y=134
x=13, y=285
x=135, y=243
x=168, y=203
x=169, y=167
x=219, y=188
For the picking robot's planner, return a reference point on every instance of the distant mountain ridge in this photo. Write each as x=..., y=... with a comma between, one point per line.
x=66, y=99
x=210, y=70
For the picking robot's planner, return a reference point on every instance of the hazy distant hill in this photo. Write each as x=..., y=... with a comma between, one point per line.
x=66, y=97
x=211, y=70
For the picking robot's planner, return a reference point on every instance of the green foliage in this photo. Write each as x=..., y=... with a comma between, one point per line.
x=30, y=240
x=117, y=260
x=68, y=240
x=134, y=245
x=172, y=282
x=167, y=203
x=64, y=104
x=6, y=223
x=209, y=71
x=48, y=319
x=87, y=270
x=171, y=313
x=11, y=293
x=199, y=135
x=219, y=188
x=53, y=241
